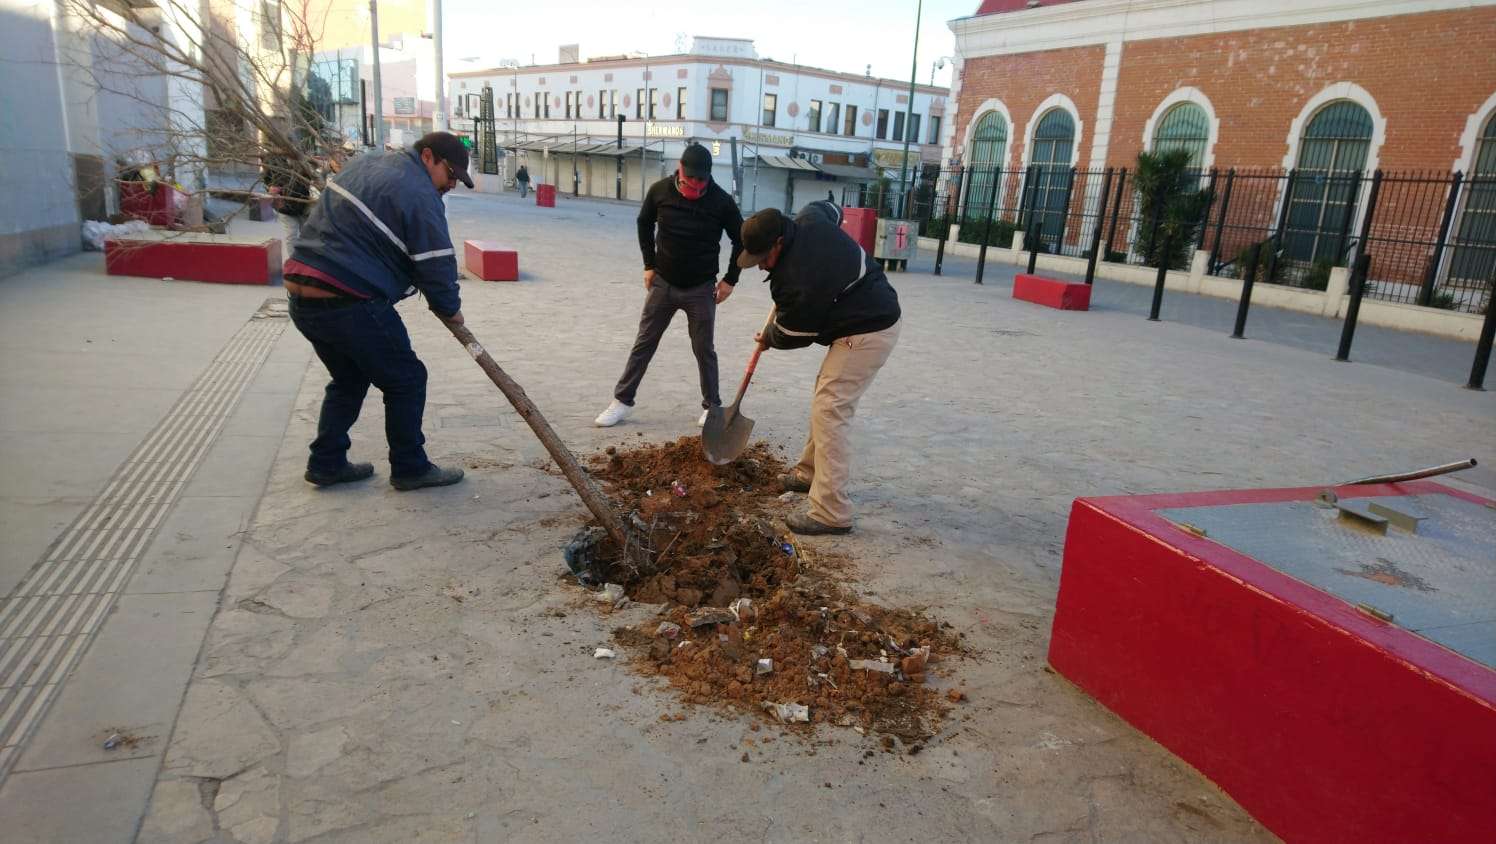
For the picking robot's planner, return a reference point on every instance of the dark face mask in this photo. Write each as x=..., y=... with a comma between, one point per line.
x=689, y=188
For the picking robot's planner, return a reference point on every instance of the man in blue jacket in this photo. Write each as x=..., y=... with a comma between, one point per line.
x=826, y=290
x=377, y=235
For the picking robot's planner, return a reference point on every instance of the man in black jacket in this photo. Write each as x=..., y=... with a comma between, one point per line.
x=680, y=274
x=826, y=290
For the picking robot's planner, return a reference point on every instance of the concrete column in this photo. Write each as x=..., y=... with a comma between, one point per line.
x=1198, y=264
x=1339, y=286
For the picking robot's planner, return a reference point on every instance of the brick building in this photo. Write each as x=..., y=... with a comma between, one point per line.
x=1329, y=88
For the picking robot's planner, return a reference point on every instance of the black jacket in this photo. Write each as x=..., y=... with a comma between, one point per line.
x=686, y=250
x=824, y=286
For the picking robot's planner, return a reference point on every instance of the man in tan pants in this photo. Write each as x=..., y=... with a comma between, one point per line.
x=826, y=290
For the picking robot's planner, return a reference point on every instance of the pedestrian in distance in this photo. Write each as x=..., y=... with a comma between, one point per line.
x=522, y=178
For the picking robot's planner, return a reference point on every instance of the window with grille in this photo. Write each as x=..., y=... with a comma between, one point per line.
x=1474, y=260
x=1332, y=156
x=989, y=147
x=1054, y=143
x=1184, y=126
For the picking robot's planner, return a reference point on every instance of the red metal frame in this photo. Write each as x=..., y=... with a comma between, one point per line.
x=1323, y=722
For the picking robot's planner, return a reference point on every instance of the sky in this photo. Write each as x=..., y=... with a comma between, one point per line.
x=841, y=35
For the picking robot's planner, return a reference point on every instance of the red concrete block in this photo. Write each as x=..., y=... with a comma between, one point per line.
x=1065, y=295
x=191, y=259
x=490, y=261
x=862, y=225
x=545, y=196
x=1324, y=722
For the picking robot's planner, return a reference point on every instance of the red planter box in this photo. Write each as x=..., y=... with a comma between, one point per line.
x=1326, y=723
x=1065, y=295
x=223, y=262
x=545, y=196
x=862, y=225
x=490, y=261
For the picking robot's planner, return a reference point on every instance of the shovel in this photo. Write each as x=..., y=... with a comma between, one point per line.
x=724, y=435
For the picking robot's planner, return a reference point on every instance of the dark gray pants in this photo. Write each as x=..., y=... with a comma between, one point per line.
x=660, y=305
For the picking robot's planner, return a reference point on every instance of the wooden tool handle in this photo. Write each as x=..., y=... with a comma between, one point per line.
x=586, y=489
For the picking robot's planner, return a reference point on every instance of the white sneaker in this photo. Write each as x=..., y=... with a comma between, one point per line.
x=616, y=412
x=701, y=423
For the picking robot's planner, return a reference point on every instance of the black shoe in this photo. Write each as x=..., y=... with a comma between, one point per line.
x=792, y=482
x=349, y=473
x=434, y=476
x=804, y=525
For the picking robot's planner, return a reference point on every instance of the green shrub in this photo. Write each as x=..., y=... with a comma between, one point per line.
x=1318, y=276
x=1000, y=235
x=1443, y=300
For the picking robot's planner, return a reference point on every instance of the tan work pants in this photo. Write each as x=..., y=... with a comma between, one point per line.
x=845, y=375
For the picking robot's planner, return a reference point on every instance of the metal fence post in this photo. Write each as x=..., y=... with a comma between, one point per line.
x=1363, y=242
x=1024, y=210
x=1158, y=281
x=1358, y=289
x=1205, y=214
x=1350, y=216
x=1246, y=291
x=1059, y=239
x=1278, y=233
x=945, y=233
x=1031, y=240
x=1106, y=189
x=1426, y=294
x=1111, y=236
x=1483, y=346
x=987, y=228
x=1215, y=251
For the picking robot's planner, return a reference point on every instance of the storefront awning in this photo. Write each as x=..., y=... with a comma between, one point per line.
x=849, y=171
x=782, y=162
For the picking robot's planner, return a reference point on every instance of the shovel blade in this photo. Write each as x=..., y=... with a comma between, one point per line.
x=724, y=437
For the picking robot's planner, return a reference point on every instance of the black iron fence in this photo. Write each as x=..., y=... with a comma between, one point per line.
x=1431, y=236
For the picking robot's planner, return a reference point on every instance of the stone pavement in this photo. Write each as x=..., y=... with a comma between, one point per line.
x=342, y=694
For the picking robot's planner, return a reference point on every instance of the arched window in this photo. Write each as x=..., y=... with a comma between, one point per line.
x=1186, y=126
x=1332, y=154
x=989, y=146
x=1475, y=246
x=1054, y=142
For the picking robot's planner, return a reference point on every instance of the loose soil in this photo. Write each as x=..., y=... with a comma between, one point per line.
x=713, y=533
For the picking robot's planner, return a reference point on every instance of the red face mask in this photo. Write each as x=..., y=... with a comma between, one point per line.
x=689, y=188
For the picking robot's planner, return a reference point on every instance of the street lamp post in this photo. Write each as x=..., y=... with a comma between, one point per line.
x=439, y=114
x=378, y=132
x=909, y=113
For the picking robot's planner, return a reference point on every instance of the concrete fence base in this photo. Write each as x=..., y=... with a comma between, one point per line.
x=1331, y=302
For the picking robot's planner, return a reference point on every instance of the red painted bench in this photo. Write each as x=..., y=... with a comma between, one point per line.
x=490, y=261
x=1065, y=295
x=1326, y=721
x=188, y=257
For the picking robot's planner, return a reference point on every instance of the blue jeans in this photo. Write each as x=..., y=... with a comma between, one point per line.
x=363, y=343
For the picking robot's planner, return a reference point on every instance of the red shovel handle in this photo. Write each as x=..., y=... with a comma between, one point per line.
x=758, y=349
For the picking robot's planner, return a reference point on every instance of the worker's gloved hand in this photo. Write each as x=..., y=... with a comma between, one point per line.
x=759, y=339
x=723, y=291
x=649, y=279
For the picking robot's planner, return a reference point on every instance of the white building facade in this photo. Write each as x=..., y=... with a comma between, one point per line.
x=800, y=132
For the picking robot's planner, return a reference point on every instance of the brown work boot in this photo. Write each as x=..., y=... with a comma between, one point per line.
x=792, y=482
x=803, y=524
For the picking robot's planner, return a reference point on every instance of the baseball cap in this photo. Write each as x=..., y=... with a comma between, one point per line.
x=696, y=162
x=448, y=147
x=758, y=236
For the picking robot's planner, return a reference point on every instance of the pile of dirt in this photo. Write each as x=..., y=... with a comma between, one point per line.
x=752, y=619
